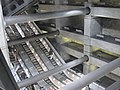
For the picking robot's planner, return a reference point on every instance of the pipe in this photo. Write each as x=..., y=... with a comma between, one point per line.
x=44, y=16
x=31, y=38
x=92, y=76
x=54, y=71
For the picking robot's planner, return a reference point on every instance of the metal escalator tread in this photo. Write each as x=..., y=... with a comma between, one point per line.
x=50, y=83
x=32, y=58
x=31, y=55
x=40, y=70
x=37, y=65
x=66, y=76
x=45, y=51
x=33, y=61
x=28, y=51
x=51, y=60
x=20, y=70
x=36, y=62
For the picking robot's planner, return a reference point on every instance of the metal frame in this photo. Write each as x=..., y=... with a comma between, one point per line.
x=103, y=12
x=54, y=71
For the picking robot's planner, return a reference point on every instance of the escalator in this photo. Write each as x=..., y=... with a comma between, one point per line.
x=45, y=52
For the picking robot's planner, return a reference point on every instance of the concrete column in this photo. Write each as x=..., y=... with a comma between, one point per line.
x=91, y=28
x=87, y=68
x=3, y=41
x=64, y=55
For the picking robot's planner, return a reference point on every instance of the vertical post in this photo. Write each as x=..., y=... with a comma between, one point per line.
x=91, y=28
x=3, y=41
x=64, y=55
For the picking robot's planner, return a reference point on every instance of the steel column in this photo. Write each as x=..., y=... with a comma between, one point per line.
x=44, y=16
x=54, y=71
x=31, y=38
x=93, y=76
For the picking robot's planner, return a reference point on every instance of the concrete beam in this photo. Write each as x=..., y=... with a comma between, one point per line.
x=71, y=35
x=112, y=47
x=105, y=12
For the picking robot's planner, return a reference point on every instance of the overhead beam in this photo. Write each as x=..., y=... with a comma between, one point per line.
x=114, y=86
x=92, y=76
x=54, y=71
x=57, y=7
x=31, y=38
x=10, y=20
x=105, y=12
